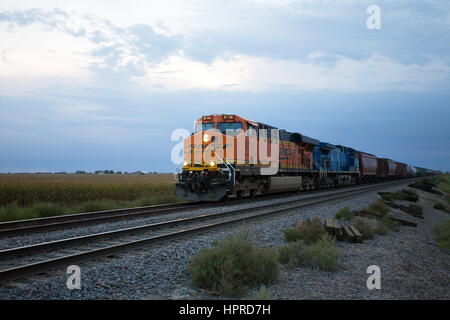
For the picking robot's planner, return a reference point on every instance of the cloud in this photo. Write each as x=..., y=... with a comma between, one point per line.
x=40, y=48
x=319, y=71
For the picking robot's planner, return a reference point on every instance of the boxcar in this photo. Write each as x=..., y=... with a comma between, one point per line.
x=401, y=171
x=367, y=165
x=392, y=168
x=383, y=168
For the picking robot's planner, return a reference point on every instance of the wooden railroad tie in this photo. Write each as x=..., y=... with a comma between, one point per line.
x=373, y=215
x=408, y=210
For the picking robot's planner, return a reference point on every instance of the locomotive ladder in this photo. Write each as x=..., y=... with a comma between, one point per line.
x=322, y=173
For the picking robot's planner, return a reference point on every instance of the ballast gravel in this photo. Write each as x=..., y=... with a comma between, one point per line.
x=411, y=264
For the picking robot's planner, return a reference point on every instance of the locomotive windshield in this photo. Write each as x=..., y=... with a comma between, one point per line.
x=204, y=126
x=233, y=128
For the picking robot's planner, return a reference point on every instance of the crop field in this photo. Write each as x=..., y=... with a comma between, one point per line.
x=25, y=196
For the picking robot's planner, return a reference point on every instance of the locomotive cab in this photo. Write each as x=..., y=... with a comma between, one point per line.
x=208, y=174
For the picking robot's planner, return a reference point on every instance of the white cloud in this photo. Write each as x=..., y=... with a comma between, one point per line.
x=242, y=72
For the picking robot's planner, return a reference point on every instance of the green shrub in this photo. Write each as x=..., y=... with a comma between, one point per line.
x=364, y=228
x=390, y=224
x=233, y=266
x=442, y=234
x=345, y=214
x=381, y=228
x=444, y=185
x=392, y=196
x=293, y=255
x=291, y=234
x=442, y=207
x=324, y=254
x=307, y=231
x=379, y=207
x=417, y=208
x=261, y=294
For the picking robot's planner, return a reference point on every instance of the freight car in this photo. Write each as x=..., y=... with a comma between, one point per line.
x=230, y=156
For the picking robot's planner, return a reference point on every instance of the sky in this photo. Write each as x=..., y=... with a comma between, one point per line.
x=91, y=85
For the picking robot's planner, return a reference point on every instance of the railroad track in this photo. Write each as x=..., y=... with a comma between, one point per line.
x=16, y=228
x=38, y=258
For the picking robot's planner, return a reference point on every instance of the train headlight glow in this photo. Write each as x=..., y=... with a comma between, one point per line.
x=205, y=138
x=212, y=163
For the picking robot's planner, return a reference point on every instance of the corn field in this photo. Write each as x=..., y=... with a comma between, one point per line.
x=69, y=189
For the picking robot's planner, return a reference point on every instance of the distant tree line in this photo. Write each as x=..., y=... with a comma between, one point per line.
x=87, y=172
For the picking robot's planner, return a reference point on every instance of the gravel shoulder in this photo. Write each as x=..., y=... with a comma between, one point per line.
x=412, y=266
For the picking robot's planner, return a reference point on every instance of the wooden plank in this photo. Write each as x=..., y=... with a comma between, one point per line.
x=329, y=226
x=375, y=216
x=348, y=234
x=405, y=209
x=357, y=234
x=337, y=230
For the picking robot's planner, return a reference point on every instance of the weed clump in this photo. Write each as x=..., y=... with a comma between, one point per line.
x=262, y=293
x=390, y=224
x=308, y=231
x=379, y=207
x=344, y=214
x=364, y=228
x=381, y=229
x=442, y=234
x=324, y=254
x=233, y=266
x=442, y=207
x=392, y=196
x=293, y=255
x=416, y=208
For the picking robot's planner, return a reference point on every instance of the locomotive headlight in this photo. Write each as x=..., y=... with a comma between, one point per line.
x=185, y=163
x=205, y=138
x=212, y=163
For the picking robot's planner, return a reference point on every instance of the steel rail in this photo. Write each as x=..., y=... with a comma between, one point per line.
x=14, y=228
x=19, y=271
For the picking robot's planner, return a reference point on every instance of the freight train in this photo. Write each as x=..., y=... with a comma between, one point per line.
x=228, y=156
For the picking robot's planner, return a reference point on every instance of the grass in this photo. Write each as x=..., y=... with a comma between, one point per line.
x=344, y=214
x=262, y=293
x=381, y=228
x=34, y=195
x=323, y=254
x=417, y=208
x=364, y=228
x=293, y=255
x=392, y=196
x=307, y=231
x=442, y=234
x=390, y=224
x=379, y=207
x=441, y=206
x=233, y=266
x=443, y=182
x=13, y=211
